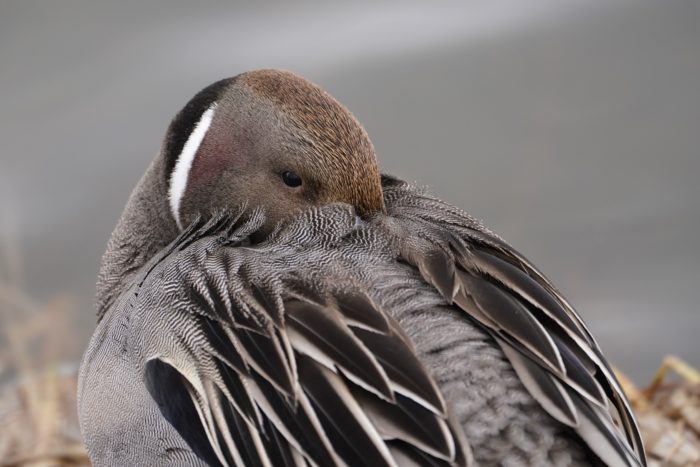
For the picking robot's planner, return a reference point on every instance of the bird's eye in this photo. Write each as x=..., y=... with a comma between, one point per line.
x=291, y=179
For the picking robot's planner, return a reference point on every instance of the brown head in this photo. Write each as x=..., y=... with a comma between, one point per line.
x=272, y=139
x=266, y=138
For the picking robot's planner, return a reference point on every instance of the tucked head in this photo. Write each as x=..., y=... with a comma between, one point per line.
x=271, y=139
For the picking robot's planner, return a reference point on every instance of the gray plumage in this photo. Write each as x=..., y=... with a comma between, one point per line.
x=413, y=337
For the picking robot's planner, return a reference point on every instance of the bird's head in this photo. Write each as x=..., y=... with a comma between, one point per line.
x=267, y=139
x=270, y=139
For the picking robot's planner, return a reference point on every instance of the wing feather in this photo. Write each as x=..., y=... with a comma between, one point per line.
x=297, y=370
x=544, y=339
x=274, y=372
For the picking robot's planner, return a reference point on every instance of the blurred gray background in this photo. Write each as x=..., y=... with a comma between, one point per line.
x=572, y=128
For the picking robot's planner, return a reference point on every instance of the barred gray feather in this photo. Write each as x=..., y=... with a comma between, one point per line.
x=416, y=338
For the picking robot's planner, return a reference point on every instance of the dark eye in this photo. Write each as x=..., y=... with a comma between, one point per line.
x=291, y=179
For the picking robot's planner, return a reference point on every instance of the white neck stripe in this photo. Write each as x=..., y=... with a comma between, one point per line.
x=181, y=172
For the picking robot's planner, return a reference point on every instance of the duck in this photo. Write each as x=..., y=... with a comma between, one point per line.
x=270, y=298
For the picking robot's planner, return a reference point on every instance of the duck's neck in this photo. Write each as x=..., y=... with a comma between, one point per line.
x=145, y=227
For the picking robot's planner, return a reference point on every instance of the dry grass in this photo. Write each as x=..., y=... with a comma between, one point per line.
x=38, y=419
x=668, y=412
x=39, y=422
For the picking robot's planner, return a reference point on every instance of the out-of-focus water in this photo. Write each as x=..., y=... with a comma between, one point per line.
x=571, y=128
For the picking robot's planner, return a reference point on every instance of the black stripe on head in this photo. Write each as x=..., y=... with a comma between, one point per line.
x=184, y=122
